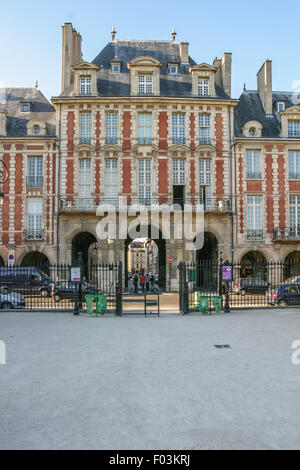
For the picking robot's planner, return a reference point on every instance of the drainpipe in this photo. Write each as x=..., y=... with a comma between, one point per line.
x=231, y=184
x=58, y=185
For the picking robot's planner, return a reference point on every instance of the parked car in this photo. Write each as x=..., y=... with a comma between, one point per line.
x=285, y=294
x=26, y=280
x=9, y=300
x=68, y=289
x=251, y=286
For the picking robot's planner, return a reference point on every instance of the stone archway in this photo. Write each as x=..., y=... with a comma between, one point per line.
x=161, y=245
x=207, y=263
x=209, y=251
x=81, y=243
x=2, y=263
x=292, y=265
x=253, y=264
x=36, y=259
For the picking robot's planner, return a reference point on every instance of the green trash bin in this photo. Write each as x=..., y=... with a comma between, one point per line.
x=203, y=304
x=89, y=303
x=217, y=303
x=101, y=304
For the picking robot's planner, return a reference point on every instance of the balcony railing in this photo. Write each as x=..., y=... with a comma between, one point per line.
x=205, y=141
x=85, y=140
x=91, y=204
x=253, y=175
x=254, y=234
x=178, y=140
x=111, y=140
x=286, y=234
x=144, y=140
x=33, y=234
x=34, y=181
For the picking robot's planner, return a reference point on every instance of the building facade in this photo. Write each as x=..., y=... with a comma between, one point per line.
x=144, y=122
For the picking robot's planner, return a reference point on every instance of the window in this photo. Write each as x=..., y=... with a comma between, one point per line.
x=253, y=164
x=85, y=86
x=111, y=181
x=173, y=69
x=179, y=171
x=205, y=190
x=25, y=107
x=35, y=172
x=294, y=128
x=294, y=165
x=204, y=129
x=203, y=87
x=85, y=184
x=145, y=84
x=144, y=181
x=35, y=219
x=280, y=106
x=294, y=216
x=111, y=128
x=144, y=128
x=85, y=128
x=115, y=68
x=178, y=128
x=254, y=217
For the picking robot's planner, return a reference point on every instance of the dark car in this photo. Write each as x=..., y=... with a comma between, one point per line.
x=251, y=286
x=26, y=280
x=69, y=289
x=9, y=300
x=287, y=294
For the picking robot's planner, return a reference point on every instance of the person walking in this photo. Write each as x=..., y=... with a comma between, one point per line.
x=147, y=282
x=142, y=282
x=135, y=281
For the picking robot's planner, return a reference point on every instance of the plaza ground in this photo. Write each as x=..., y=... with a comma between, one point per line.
x=150, y=383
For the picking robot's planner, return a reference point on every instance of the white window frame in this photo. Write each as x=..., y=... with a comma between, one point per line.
x=294, y=164
x=144, y=123
x=35, y=171
x=145, y=84
x=204, y=129
x=175, y=67
x=111, y=181
x=203, y=87
x=253, y=164
x=178, y=128
x=280, y=104
x=179, y=171
x=85, y=85
x=85, y=182
x=85, y=128
x=254, y=217
x=35, y=218
x=294, y=214
x=111, y=128
x=294, y=128
x=145, y=181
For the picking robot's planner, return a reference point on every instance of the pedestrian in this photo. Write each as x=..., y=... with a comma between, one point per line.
x=147, y=282
x=152, y=282
x=135, y=281
x=142, y=282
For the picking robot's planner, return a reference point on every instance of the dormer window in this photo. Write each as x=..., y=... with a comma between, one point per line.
x=173, y=69
x=280, y=106
x=115, y=68
x=25, y=107
x=145, y=84
x=85, y=85
x=203, y=87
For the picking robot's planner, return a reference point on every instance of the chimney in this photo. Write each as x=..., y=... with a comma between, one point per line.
x=3, y=114
x=71, y=54
x=184, y=52
x=223, y=74
x=264, y=86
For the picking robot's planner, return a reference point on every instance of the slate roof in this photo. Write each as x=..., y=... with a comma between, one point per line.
x=118, y=84
x=250, y=109
x=42, y=110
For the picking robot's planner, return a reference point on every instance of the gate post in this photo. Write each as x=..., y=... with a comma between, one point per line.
x=119, y=291
x=183, y=289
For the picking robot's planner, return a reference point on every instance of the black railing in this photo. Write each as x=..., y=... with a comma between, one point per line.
x=178, y=140
x=286, y=233
x=50, y=287
x=85, y=140
x=33, y=234
x=252, y=284
x=91, y=204
x=254, y=234
x=34, y=181
x=144, y=140
x=204, y=141
x=253, y=175
x=111, y=140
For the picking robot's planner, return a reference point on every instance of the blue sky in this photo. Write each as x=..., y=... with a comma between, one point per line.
x=30, y=46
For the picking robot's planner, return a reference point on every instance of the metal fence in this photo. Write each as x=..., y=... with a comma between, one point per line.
x=252, y=284
x=44, y=287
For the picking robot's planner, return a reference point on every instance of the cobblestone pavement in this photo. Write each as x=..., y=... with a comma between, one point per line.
x=150, y=383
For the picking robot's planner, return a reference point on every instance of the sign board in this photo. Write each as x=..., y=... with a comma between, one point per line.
x=192, y=273
x=76, y=274
x=227, y=273
x=170, y=260
x=11, y=257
